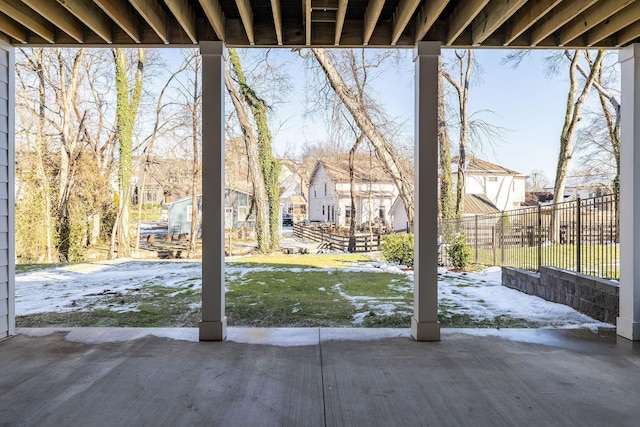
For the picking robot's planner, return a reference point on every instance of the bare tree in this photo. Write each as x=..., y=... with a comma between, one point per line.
x=465, y=64
x=260, y=198
x=163, y=123
x=573, y=115
x=607, y=123
x=447, y=202
x=536, y=181
x=353, y=97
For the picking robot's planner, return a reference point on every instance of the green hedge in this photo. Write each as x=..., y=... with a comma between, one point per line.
x=398, y=248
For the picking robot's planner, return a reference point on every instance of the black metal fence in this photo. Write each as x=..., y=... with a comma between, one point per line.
x=581, y=235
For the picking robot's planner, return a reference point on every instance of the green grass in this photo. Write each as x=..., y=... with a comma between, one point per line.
x=303, y=297
x=597, y=260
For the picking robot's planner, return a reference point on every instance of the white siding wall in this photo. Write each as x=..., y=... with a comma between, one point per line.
x=320, y=202
x=506, y=192
x=7, y=236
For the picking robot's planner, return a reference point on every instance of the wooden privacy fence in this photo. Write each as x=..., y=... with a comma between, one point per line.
x=332, y=240
x=581, y=235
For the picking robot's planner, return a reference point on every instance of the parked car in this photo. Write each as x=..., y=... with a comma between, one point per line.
x=287, y=219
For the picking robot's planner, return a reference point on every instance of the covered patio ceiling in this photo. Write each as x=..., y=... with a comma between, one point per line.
x=377, y=23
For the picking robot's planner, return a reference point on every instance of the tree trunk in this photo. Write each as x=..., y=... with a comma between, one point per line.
x=195, y=126
x=352, y=191
x=465, y=66
x=40, y=145
x=268, y=164
x=573, y=115
x=447, y=206
x=260, y=202
x=384, y=152
x=126, y=111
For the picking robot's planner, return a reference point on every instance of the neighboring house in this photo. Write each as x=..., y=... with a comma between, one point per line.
x=179, y=215
x=330, y=194
x=489, y=188
x=535, y=198
x=586, y=186
x=237, y=206
x=291, y=196
x=504, y=188
x=474, y=204
x=167, y=180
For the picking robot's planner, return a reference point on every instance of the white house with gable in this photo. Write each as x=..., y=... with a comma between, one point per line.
x=504, y=188
x=489, y=188
x=330, y=191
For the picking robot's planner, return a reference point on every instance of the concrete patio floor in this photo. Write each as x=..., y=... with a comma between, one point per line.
x=318, y=377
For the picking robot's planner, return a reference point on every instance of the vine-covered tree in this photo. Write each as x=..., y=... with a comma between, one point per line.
x=269, y=166
x=128, y=97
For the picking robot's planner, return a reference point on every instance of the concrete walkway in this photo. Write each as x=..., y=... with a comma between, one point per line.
x=318, y=377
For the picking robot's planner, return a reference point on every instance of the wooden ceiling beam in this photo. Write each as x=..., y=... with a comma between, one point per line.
x=340, y=15
x=617, y=22
x=12, y=28
x=25, y=16
x=371, y=15
x=154, y=15
x=306, y=13
x=427, y=16
x=526, y=17
x=59, y=16
x=461, y=17
x=492, y=17
x=125, y=17
x=246, y=14
x=401, y=18
x=628, y=34
x=590, y=18
x=91, y=15
x=185, y=16
x=560, y=15
x=277, y=19
x=216, y=17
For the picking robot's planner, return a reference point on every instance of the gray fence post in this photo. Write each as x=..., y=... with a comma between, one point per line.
x=578, y=235
x=539, y=237
x=502, y=220
x=476, y=238
x=493, y=243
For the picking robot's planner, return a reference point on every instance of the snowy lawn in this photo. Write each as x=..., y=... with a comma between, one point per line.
x=305, y=290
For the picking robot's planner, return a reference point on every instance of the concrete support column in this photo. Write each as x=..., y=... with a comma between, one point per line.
x=424, y=323
x=213, y=326
x=628, y=324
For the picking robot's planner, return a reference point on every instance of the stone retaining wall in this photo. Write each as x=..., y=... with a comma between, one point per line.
x=595, y=297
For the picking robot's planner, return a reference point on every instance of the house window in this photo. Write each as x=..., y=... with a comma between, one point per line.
x=322, y=209
x=347, y=212
x=493, y=179
x=242, y=212
x=151, y=197
x=325, y=188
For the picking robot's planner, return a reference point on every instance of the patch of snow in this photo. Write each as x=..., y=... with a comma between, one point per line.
x=87, y=285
